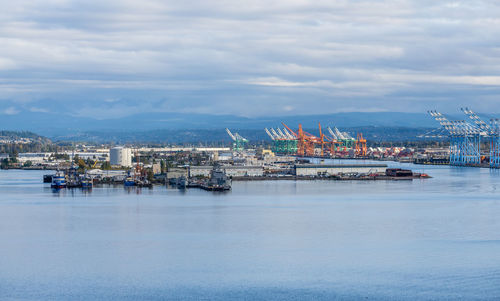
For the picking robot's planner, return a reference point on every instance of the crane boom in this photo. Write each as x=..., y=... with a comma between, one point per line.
x=290, y=136
x=483, y=126
x=444, y=122
x=293, y=133
x=339, y=134
x=347, y=136
x=230, y=134
x=275, y=134
x=332, y=133
x=269, y=134
x=239, y=137
x=282, y=134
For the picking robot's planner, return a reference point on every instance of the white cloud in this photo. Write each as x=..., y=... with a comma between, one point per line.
x=11, y=111
x=224, y=56
x=38, y=110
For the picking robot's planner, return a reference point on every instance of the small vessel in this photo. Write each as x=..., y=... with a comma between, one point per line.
x=182, y=182
x=218, y=180
x=47, y=178
x=143, y=182
x=87, y=182
x=58, y=180
x=129, y=181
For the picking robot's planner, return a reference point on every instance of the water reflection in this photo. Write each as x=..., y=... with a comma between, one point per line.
x=318, y=240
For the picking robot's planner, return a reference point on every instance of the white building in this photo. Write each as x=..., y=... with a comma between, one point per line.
x=33, y=157
x=231, y=171
x=120, y=156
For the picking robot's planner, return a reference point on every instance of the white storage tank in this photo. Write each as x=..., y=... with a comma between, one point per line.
x=120, y=156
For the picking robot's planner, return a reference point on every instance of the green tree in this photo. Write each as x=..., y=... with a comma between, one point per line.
x=81, y=164
x=106, y=165
x=5, y=163
x=150, y=175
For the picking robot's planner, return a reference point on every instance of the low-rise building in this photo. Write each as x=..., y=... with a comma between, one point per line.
x=156, y=168
x=33, y=157
x=177, y=172
x=231, y=171
x=334, y=169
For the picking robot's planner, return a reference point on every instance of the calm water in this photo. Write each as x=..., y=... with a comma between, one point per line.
x=435, y=239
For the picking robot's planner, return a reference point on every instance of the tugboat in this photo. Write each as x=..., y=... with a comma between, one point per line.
x=58, y=180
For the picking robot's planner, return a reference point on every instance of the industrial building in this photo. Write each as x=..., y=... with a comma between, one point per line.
x=35, y=158
x=231, y=171
x=176, y=172
x=335, y=169
x=120, y=156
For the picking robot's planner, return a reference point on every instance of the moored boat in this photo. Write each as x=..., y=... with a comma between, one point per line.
x=58, y=180
x=182, y=182
x=129, y=181
x=218, y=180
x=87, y=182
x=47, y=178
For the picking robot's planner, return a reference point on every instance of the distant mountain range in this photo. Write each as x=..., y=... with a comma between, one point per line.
x=59, y=126
x=219, y=137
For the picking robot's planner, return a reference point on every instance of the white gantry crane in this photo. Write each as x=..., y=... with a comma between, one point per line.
x=490, y=131
x=270, y=134
x=465, y=140
x=334, y=136
x=239, y=141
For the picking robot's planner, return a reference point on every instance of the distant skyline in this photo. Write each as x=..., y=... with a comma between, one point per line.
x=109, y=59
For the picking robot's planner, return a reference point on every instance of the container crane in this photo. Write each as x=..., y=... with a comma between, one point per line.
x=464, y=140
x=239, y=142
x=361, y=148
x=333, y=134
x=270, y=134
x=283, y=141
x=491, y=132
x=335, y=141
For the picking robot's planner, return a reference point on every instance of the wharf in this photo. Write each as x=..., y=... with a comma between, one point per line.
x=333, y=178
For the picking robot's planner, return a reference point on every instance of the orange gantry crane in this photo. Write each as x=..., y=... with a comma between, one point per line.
x=361, y=148
x=307, y=143
x=330, y=144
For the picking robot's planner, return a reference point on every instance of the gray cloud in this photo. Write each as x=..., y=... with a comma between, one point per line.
x=113, y=58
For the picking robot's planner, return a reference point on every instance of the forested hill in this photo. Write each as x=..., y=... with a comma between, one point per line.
x=13, y=142
x=22, y=134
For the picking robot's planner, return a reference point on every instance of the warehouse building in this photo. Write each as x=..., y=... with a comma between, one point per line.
x=335, y=169
x=176, y=172
x=231, y=171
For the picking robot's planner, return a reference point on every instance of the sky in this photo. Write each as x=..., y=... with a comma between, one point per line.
x=251, y=58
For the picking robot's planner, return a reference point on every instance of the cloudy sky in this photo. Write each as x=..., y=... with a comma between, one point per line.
x=250, y=57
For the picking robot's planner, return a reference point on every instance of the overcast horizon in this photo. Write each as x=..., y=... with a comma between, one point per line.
x=109, y=59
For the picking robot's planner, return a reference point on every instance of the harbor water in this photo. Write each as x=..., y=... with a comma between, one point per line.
x=430, y=239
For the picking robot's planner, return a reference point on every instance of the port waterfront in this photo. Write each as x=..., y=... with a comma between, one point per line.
x=434, y=239
x=218, y=179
